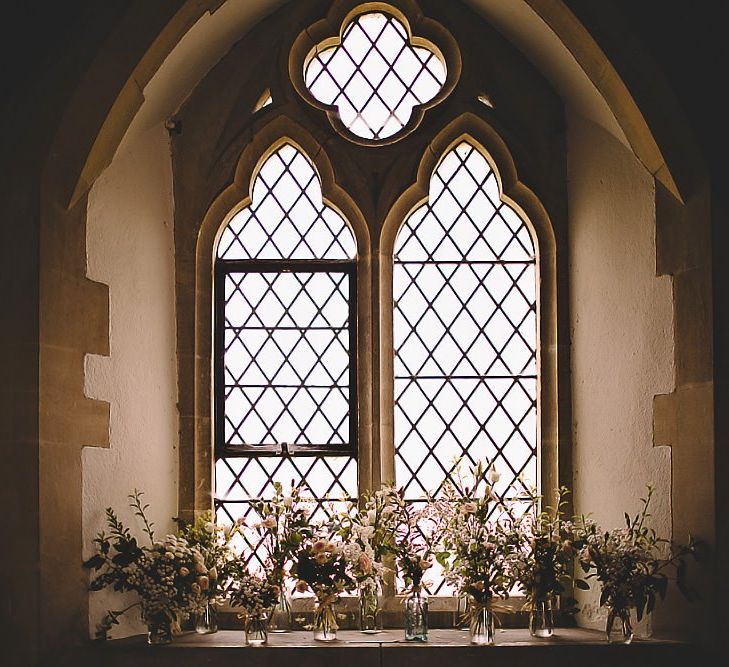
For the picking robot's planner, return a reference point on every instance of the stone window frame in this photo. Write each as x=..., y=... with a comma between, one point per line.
x=376, y=460
x=196, y=484
x=286, y=123
x=551, y=460
x=328, y=32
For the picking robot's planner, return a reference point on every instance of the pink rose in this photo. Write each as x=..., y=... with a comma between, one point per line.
x=470, y=507
x=269, y=522
x=184, y=571
x=365, y=563
x=203, y=582
x=321, y=558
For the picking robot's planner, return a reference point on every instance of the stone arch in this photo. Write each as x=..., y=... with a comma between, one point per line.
x=94, y=124
x=553, y=441
x=198, y=452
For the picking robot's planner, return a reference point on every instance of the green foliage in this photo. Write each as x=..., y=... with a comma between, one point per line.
x=633, y=564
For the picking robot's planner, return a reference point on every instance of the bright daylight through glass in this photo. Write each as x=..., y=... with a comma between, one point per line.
x=375, y=77
x=286, y=343
x=464, y=288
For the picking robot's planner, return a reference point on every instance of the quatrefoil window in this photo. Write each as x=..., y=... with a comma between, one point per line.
x=376, y=75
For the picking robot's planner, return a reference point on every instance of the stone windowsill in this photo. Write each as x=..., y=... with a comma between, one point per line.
x=570, y=646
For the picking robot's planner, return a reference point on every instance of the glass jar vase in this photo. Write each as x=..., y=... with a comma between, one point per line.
x=481, y=625
x=159, y=630
x=280, y=618
x=256, y=630
x=416, y=616
x=370, y=611
x=206, y=621
x=541, y=618
x=619, y=628
x=325, y=621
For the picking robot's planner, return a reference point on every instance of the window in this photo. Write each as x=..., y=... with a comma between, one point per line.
x=345, y=363
x=464, y=292
x=375, y=76
x=285, y=362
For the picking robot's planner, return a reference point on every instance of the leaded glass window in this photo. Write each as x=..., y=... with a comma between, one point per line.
x=376, y=76
x=285, y=362
x=464, y=291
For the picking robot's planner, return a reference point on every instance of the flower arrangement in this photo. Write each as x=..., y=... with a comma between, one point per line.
x=169, y=576
x=253, y=594
x=282, y=528
x=483, y=549
x=214, y=543
x=322, y=567
x=547, y=546
x=368, y=534
x=415, y=538
x=632, y=564
x=478, y=542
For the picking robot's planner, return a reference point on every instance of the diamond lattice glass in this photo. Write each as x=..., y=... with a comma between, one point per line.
x=287, y=217
x=375, y=76
x=284, y=337
x=464, y=289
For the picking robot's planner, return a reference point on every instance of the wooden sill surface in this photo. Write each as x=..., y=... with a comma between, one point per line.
x=445, y=648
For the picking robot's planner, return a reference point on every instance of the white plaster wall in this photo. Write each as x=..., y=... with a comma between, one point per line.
x=622, y=336
x=130, y=248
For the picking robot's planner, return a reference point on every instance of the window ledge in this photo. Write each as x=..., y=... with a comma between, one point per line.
x=571, y=646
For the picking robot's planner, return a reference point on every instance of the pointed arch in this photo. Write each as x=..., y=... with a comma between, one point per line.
x=196, y=442
x=552, y=432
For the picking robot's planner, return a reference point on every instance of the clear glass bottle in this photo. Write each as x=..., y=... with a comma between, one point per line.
x=257, y=630
x=280, y=617
x=325, y=623
x=481, y=625
x=619, y=629
x=541, y=618
x=370, y=611
x=416, y=616
x=206, y=621
x=159, y=630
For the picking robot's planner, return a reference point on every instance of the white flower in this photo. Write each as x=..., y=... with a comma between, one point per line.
x=371, y=517
x=351, y=552
x=366, y=532
x=288, y=501
x=493, y=475
x=210, y=527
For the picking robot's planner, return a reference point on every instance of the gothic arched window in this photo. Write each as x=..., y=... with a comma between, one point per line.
x=285, y=341
x=465, y=334
x=376, y=309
